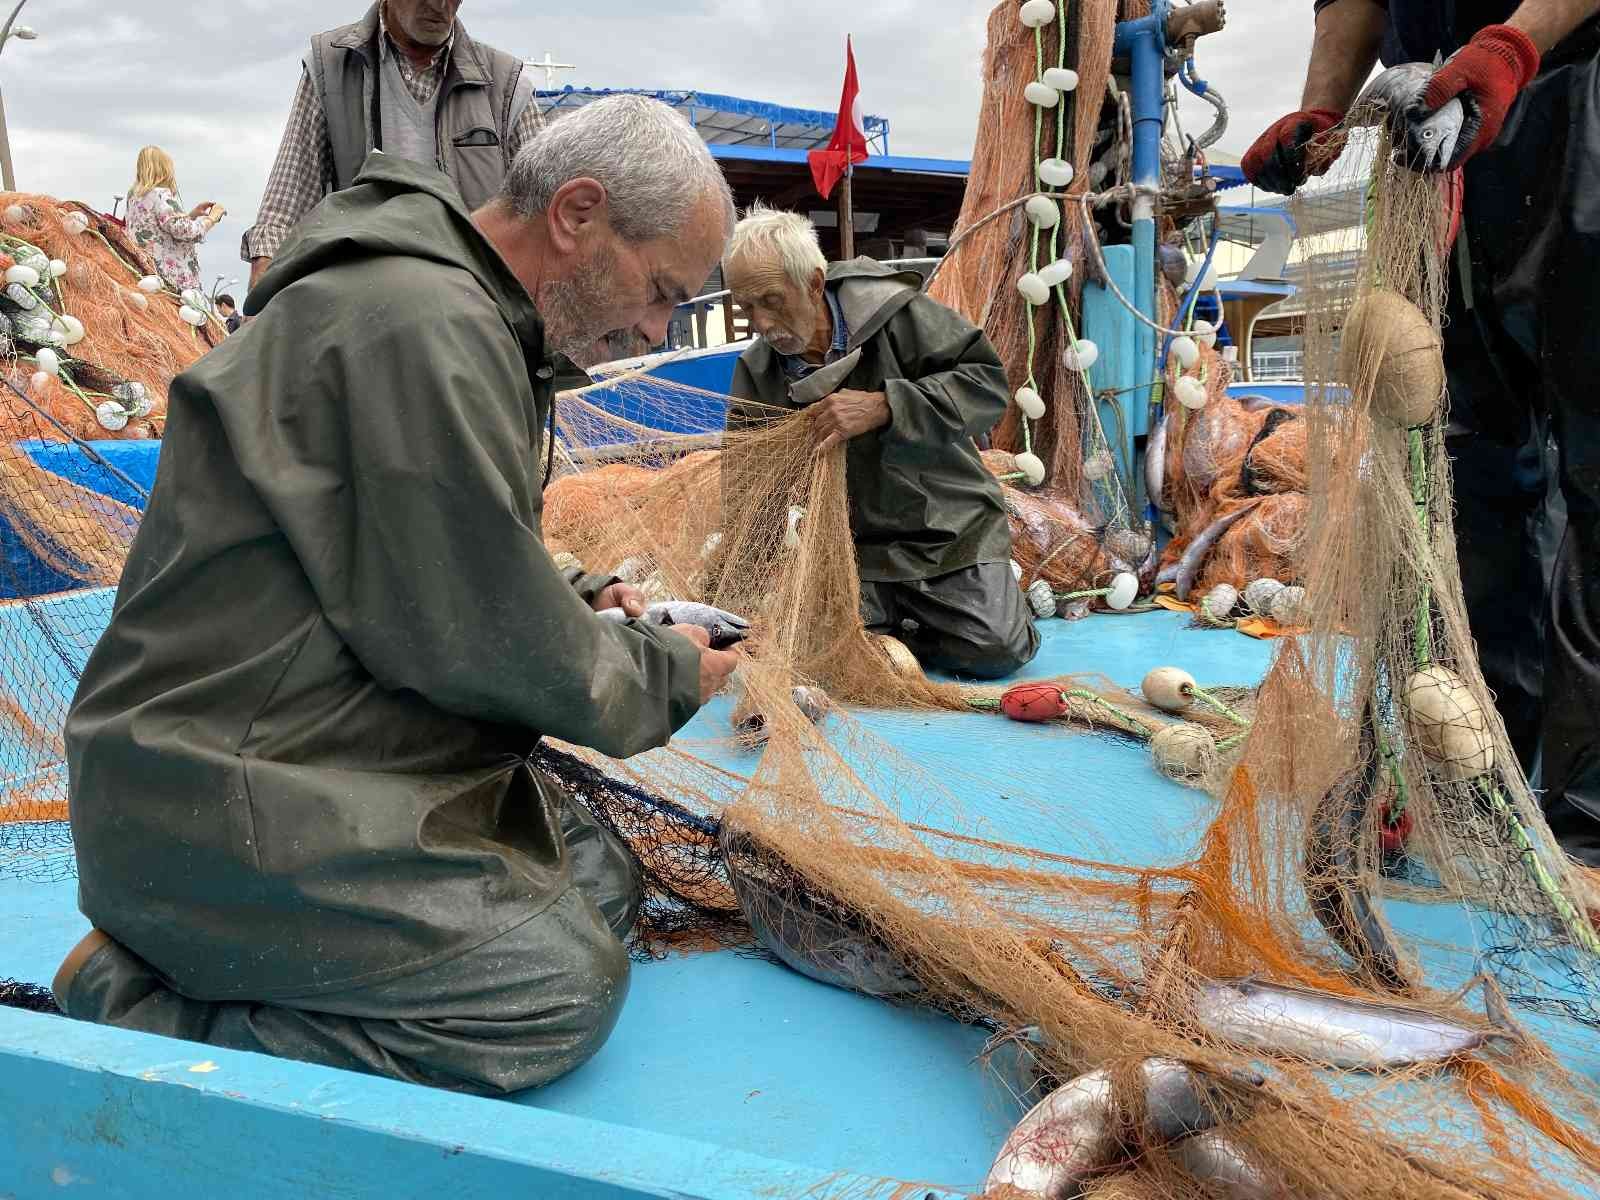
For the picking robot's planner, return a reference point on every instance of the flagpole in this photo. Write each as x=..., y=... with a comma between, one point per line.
x=847, y=220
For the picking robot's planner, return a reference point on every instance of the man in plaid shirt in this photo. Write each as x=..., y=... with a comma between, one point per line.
x=465, y=107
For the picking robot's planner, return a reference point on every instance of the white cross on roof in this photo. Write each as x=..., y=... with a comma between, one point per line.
x=549, y=66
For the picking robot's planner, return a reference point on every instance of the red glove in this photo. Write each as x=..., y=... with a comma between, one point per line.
x=1487, y=73
x=1279, y=160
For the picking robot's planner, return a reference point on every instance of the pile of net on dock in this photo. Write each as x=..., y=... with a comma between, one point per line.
x=90, y=340
x=77, y=287
x=1234, y=477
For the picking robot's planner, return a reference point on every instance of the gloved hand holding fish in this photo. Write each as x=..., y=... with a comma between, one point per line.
x=724, y=628
x=1425, y=139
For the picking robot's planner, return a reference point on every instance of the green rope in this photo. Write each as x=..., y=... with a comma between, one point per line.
x=1577, y=926
x=1419, y=499
x=1147, y=730
x=1217, y=706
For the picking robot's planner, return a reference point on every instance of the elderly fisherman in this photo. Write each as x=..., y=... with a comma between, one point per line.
x=305, y=819
x=906, y=385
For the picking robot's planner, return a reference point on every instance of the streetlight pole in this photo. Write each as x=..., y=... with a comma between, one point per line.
x=27, y=34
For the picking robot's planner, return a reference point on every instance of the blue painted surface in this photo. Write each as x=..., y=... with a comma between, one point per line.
x=725, y=1077
x=1108, y=324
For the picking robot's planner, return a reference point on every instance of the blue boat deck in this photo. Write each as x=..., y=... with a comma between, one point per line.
x=726, y=1077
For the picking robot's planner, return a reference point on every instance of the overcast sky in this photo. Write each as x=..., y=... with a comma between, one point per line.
x=212, y=82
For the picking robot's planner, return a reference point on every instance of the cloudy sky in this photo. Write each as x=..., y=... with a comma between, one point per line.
x=212, y=82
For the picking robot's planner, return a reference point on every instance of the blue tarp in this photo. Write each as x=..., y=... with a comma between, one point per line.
x=22, y=573
x=815, y=126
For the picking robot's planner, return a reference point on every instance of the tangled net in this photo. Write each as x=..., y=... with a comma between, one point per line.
x=839, y=855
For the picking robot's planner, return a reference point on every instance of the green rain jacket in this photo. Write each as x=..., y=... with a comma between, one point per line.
x=922, y=504
x=297, y=756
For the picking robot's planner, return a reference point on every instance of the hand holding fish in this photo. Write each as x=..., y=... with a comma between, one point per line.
x=622, y=596
x=1486, y=74
x=846, y=414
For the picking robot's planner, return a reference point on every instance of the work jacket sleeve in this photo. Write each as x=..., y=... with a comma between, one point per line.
x=954, y=385
x=401, y=473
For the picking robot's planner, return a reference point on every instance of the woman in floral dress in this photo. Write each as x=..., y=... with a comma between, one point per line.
x=159, y=224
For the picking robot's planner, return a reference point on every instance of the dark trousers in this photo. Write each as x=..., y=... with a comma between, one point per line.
x=974, y=622
x=517, y=1011
x=1524, y=436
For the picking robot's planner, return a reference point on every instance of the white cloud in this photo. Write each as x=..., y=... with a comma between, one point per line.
x=212, y=83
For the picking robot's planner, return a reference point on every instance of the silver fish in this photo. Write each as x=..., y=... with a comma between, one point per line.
x=1155, y=461
x=1073, y=1134
x=1425, y=140
x=1337, y=1031
x=806, y=932
x=1194, y=555
x=1214, y=1158
x=724, y=628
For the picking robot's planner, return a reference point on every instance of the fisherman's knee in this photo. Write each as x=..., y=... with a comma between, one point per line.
x=566, y=1024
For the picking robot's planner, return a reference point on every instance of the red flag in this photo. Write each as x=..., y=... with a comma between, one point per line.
x=849, y=142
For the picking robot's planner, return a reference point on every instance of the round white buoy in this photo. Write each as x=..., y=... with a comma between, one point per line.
x=1183, y=750
x=1191, y=393
x=48, y=360
x=1081, y=355
x=1124, y=591
x=1034, y=290
x=1030, y=402
x=193, y=297
x=138, y=299
x=1041, y=94
x=904, y=662
x=1258, y=595
x=75, y=223
x=1098, y=466
x=1450, y=723
x=1217, y=604
x=712, y=542
x=1036, y=14
x=1063, y=79
x=1043, y=211
x=1185, y=350
x=1288, y=607
x=1168, y=688
x=1056, y=273
x=150, y=283
x=1032, y=468
x=111, y=415
x=15, y=214
x=69, y=329
x=1055, y=172
x=39, y=384
x=23, y=275
x=58, y=268
x=192, y=315
x=1042, y=599
x=1205, y=333
x=791, y=536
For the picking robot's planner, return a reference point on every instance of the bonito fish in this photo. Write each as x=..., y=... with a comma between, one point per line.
x=1356, y=1035
x=1425, y=140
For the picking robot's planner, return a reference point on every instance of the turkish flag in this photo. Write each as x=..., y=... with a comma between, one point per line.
x=849, y=142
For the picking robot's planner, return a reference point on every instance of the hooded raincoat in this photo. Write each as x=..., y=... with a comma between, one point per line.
x=922, y=503
x=933, y=543
x=298, y=754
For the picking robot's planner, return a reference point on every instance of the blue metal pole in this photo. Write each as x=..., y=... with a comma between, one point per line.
x=1143, y=44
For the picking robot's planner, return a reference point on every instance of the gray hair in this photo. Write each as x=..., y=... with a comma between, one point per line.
x=767, y=235
x=654, y=166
